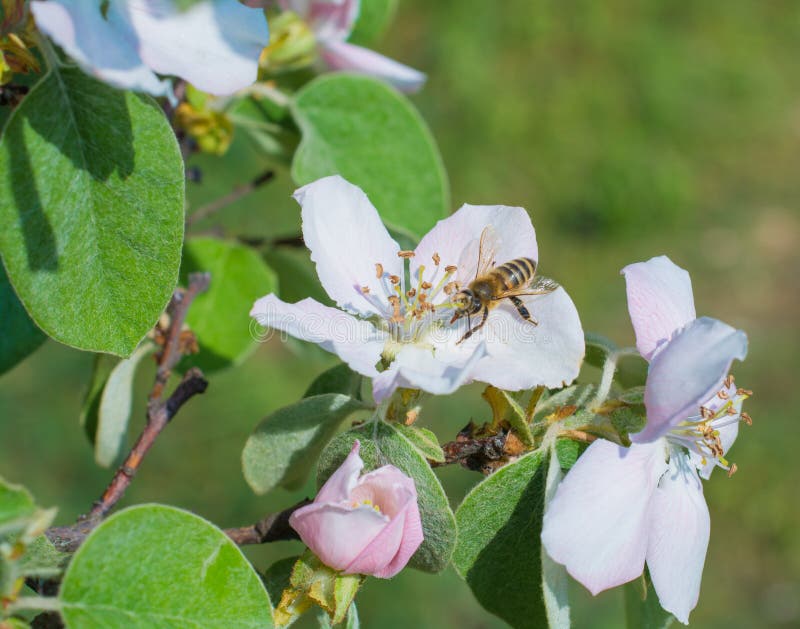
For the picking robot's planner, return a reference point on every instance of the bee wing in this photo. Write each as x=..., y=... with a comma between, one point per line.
x=487, y=250
x=540, y=286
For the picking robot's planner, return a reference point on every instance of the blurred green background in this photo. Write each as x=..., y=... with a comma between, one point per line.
x=628, y=129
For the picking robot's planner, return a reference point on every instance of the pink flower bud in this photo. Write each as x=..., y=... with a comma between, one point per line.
x=366, y=524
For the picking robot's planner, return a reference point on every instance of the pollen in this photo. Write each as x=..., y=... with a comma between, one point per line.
x=451, y=288
x=378, y=270
x=411, y=293
x=394, y=279
x=405, y=254
x=451, y=268
x=426, y=285
x=436, y=258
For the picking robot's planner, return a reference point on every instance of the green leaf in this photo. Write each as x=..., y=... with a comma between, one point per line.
x=219, y=317
x=16, y=504
x=91, y=210
x=19, y=336
x=370, y=134
x=631, y=371
x=598, y=348
x=43, y=559
x=350, y=622
x=338, y=379
x=373, y=19
x=297, y=276
x=382, y=444
x=284, y=445
x=423, y=440
x=568, y=451
x=154, y=565
x=90, y=406
x=278, y=577
x=628, y=420
x=114, y=410
x=499, y=552
x=642, y=609
x=632, y=396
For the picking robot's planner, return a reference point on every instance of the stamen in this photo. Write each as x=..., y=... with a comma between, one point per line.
x=722, y=394
x=744, y=392
x=747, y=419
x=451, y=288
x=426, y=285
x=405, y=254
x=394, y=301
x=450, y=268
x=411, y=293
x=378, y=270
x=436, y=258
x=729, y=381
x=394, y=279
x=365, y=290
x=732, y=470
x=706, y=413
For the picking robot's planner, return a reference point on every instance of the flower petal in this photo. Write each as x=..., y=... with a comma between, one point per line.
x=214, y=44
x=347, y=239
x=358, y=343
x=456, y=240
x=335, y=533
x=344, y=480
x=341, y=55
x=416, y=367
x=104, y=48
x=679, y=530
x=596, y=524
x=331, y=20
x=660, y=301
x=688, y=371
x=521, y=355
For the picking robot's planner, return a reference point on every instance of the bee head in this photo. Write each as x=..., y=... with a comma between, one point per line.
x=465, y=302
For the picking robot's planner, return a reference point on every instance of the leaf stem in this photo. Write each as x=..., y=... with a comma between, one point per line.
x=606, y=380
x=43, y=603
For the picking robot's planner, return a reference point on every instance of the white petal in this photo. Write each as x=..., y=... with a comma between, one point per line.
x=356, y=342
x=456, y=239
x=104, y=48
x=439, y=373
x=596, y=525
x=347, y=239
x=215, y=44
x=660, y=301
x=343, y=481
x=688, y=371
x=340, y=55
x=679, y=530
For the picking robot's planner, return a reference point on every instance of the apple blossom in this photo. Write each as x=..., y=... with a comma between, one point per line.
x=619, y=508
x=214, y=44
x=366, y=524
x=400, y=335
x=332, y=21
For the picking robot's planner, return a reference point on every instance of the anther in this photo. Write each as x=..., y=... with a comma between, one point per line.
x=722, y=394
x=411, y=293
x=405, y=254
x=436, y=259
x=365, y=290
x=731, y=411
x=706, y=413
x=729, y=381
x=426, y=285
x=747, y=419
x=732, y=470
x=378, y=270
x=451, y=288
x=745, y=392
x=394, y=300
x=394, y=279
x=451, y=268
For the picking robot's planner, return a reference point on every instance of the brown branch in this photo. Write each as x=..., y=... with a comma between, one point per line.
x=159, y=412
x=272, y=528
x=234, y=195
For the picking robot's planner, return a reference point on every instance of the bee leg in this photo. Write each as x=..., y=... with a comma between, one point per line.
x=472, y=330
x=522, y=310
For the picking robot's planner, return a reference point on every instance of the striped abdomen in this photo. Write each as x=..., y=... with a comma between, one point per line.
x=515, y=273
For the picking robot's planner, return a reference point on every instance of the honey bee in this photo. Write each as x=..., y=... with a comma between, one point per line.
x=492, y=284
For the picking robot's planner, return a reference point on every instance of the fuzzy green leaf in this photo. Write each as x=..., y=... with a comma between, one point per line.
x=91, y=210
x=373, y=19
x=16, y=504
x=338, y=379
x=370, y=134
x=598, y=348
x=219, y=316
x=382, y=444
x=19, y=336
x=285, y=444
x=423, y=440
x=156, y=565
x=499, y=552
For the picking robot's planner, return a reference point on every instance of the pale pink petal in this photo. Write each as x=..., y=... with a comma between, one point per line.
x=337, y=534
x=521, y=355
x=679, y=530
x=660, y=301
x=687, y=372
x=331, y=20
x=341, y=55
x=436, y=371
x=356, y=342
x=456, y=241
x=347, y=239
x=596, y=524
x=344, y=480
x=412, y=538
x=387, y=487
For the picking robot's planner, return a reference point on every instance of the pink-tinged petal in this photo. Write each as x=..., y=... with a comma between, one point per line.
x=412, y=538
x=337, y=534
x=356, y=342
x=687, y=372
x=347, y=239
x=331, y=20
x=341, y=55
x=596, y=524
x=521, y=355
x=214, y=44
x=679, y=530
x=456, y=240
x=105, y=48
x=436, y=371
x=387, y=487
x=344, y=480
x=660, y=301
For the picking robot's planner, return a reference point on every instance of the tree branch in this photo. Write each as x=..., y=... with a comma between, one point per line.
x=272, y=528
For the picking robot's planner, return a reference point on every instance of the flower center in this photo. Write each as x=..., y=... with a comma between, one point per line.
x=410, y=313
x=366, y=502
x=702, y=433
